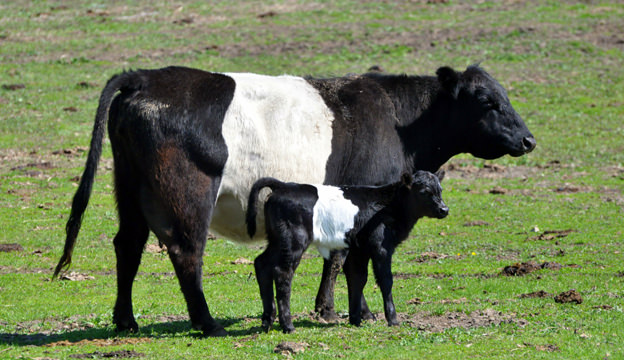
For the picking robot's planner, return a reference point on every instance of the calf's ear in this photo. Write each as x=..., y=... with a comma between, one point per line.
x=407, y=179
x=449, y=79
x=440, y=174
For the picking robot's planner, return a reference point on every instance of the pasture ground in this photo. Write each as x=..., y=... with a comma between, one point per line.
x=486, y=282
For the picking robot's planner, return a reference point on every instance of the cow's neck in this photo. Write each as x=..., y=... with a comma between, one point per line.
x=427, y=138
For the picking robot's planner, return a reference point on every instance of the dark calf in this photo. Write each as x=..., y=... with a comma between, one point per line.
x=370, y=221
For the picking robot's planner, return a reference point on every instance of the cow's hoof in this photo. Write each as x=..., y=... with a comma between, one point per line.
x=129, y=326
x=367, y=315
x=355, y=322
x=215, y=332
x=266, y=326
x=393, y=323
x=288, y=329
x=328, y=315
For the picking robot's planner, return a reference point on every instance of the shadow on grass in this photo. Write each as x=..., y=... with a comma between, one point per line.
x=108, y=336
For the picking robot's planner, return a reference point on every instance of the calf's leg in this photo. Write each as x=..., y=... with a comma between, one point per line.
x=356, y=272
x=324, y=304
x=383, y=275
x=291, y=250
x=264, y=265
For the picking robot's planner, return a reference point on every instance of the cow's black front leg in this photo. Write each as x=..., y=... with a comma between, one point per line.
x=264, y=265
x=356, y=271
x=383, y=274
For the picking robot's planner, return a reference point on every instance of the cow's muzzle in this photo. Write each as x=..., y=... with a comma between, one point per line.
x=528, y=144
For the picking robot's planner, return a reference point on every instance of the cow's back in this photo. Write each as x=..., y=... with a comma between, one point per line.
x=275, y=126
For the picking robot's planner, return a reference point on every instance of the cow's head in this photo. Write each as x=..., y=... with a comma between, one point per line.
x=488, y=125
x=424, y=194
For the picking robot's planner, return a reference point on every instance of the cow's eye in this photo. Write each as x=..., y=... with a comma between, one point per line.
x=490, y=105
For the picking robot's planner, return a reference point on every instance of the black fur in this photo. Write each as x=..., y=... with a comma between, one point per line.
x=386, y=216
x=169, y=154
x=165, y=128
x=419, y=123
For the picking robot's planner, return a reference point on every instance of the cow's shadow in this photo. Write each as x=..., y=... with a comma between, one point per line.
x=157, y=330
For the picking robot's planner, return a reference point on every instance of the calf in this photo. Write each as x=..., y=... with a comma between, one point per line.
x=370, y=220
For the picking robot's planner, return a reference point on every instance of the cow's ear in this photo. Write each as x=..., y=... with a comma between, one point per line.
x=440, y=174
x=449, y=79
x=407, y=180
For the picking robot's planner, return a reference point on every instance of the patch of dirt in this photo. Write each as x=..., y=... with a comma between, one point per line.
x=101, y=342
x=545, y=347
x=288, y=348
x=440, y=323
x=521, y=269
x=459, y=170
x=535, y=294
x=155, y=248
x=11, y=247
x=429, y=255
x=13, y=87
x=570, y=296
x=119, y=354
x=241, y=261
x=75, y=276
x=477, y=223
x=551, y=234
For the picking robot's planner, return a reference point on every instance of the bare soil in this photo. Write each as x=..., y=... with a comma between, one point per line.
x=521, y=269
x=440, y=323
x=570, y=296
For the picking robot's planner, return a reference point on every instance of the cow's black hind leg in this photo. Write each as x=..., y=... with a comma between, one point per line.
x=264, y=265
x=129, y=241
x=187, y=263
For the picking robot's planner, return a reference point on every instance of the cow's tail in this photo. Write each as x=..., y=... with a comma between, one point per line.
x=252, y=202
x=81, y=198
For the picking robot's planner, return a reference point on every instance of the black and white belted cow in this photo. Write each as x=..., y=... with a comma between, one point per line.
x=188, y=145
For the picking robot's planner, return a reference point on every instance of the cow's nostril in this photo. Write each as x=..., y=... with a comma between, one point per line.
x=529, y=143
x=443, y=211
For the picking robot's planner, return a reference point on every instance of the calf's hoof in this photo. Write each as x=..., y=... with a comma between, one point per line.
x=217, y=331
x=266, y=327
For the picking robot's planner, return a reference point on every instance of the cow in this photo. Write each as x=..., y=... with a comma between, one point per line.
x=188, y=145
x=369, y=220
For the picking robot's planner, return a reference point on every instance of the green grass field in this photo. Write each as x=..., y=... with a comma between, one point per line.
x=560, y=207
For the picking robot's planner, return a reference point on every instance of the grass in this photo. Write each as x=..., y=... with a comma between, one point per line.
x=561, y=63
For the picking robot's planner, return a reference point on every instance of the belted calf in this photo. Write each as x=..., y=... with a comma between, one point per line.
x=369, y=220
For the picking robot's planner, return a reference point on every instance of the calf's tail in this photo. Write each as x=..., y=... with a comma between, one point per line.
x=252, y=202
x=81, y=198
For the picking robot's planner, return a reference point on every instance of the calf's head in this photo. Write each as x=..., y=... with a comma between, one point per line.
x=483, y=118
x=424, y=194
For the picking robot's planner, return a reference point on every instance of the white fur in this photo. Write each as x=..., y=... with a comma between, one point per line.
x=276, y=126
x=333, y=217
